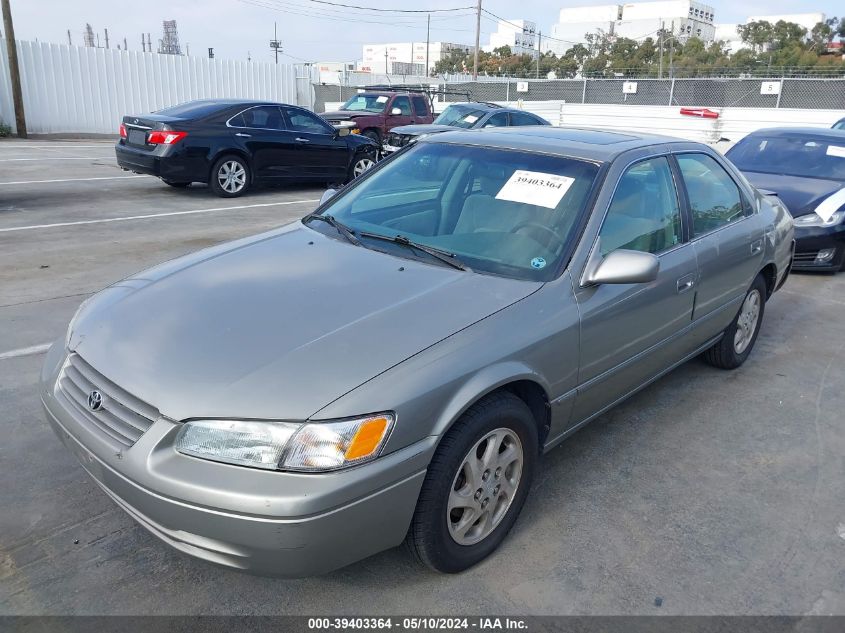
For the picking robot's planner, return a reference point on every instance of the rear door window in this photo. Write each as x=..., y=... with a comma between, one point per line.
x=261, y=118
x=420, y=105
x=500, y=119
x=714, y=198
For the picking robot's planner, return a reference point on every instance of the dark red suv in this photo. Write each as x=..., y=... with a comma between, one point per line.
x=374, y=113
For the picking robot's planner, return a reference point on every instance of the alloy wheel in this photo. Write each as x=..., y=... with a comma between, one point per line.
x=362, y=165
x=484, y=486
x=749, y=315
x=231, y=176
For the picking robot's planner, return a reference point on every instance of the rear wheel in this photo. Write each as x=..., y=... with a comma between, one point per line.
x=736, y=345
x=476, y=484
x=230, y=177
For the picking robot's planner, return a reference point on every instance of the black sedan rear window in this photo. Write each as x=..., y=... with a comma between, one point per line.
x=193, y=109
x=801, y=156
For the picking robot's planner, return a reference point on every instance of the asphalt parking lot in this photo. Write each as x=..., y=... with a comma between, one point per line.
x=710, y=492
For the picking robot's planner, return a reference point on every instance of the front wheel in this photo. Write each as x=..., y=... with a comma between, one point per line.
x=476, y=484
x=361, y=164
x=736, y=345
x=230, y=177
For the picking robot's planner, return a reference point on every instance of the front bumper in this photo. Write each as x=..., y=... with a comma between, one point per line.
x=272, y=523
x=810, y=240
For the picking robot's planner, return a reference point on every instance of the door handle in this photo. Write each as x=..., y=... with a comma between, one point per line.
x=243, y=135
x=756, y=246
x=302, y=140
x=686, y=283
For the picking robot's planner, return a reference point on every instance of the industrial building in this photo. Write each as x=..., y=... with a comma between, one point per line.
x=406, y=58
x=685, y=18
x=519, y=35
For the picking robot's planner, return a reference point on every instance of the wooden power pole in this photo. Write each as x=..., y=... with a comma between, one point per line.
x=477, y=41
x=14, y=69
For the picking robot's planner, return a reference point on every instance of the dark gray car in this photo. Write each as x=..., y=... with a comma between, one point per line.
x=392, y=367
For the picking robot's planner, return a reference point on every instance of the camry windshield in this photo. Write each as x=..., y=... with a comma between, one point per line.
x=499, y=211
x=791, y=156
x=459, y=116
x=366, y=103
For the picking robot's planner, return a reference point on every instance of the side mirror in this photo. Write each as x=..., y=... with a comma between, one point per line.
x=328, y=194
x=624, y=267
x=395, y=112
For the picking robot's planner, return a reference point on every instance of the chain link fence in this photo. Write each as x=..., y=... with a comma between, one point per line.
x=698, y=92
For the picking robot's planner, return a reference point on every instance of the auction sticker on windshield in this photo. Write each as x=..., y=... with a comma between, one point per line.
x=534, y=187
x=381, y=99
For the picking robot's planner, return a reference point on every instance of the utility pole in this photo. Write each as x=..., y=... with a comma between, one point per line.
x=660, y=48
x=671, y=50
x=14, y=69
x=125, y=45
x=539, y=39
x=477, y=41
x=69, y=41
x=386, y=72
x=107, y=37
x=275, y=44
x=427, y=42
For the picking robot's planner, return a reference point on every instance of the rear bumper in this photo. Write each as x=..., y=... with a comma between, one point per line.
x=168, y=166
x=265, y=522
x=810, y=241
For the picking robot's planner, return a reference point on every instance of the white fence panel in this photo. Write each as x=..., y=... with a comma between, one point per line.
x=71, y=89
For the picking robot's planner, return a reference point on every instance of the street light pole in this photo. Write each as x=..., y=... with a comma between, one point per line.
x=477, y=41
x=14, y=69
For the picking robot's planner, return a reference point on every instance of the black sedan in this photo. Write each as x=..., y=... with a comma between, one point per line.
x=472, y=115
x=232, y=145
x=805, y=167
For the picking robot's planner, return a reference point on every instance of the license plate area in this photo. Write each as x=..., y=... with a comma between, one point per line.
x=137, y=137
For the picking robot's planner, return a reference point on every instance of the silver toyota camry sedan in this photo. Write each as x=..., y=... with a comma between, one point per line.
x=391, y=367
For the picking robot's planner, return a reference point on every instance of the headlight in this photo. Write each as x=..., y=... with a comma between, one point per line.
x=286, y=445
x=814, y=219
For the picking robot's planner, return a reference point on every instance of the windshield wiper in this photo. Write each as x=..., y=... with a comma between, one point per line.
x=444, y=256
x=344, y=230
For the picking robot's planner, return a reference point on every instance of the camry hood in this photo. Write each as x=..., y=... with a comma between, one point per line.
x=276, y=326
x=801, y=195
x=425, y=128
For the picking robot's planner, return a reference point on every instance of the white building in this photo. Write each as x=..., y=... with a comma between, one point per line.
x=519, y=35
x=334, y=72
x=405, y=58
x=638, y=20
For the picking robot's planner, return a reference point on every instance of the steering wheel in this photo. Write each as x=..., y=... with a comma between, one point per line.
x=529, y=224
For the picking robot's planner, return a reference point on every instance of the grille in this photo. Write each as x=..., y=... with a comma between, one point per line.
x=122, y=418
x=807, y=257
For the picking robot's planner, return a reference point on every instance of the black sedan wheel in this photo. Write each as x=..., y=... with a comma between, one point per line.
x=475, y=485
x=361, y=164
x=230, y=177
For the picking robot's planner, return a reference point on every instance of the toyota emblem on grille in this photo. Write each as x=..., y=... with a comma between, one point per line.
x=95, y=400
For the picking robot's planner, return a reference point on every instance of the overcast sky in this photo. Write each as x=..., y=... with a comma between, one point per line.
x=310, y=31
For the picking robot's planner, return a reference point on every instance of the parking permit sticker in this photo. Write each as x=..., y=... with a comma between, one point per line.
x=538, y=263
x=534, y=187
x=836, y=150
x=381, y=99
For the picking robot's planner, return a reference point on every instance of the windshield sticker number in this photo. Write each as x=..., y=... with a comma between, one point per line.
x=381, y=99
x=836, y=150
x=534, y=187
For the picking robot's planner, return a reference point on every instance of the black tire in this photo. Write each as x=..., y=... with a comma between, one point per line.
x=357, y=160
x=214, y=177
x=724, y=354
x=429, y=538
x=178, y=185
x=373, y=134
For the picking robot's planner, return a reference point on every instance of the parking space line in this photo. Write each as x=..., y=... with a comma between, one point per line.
x=25, y=351
x=9, y=160
x=154, y=215
x=41, y=182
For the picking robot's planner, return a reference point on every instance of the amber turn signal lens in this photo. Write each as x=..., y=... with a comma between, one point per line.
x=367, y=438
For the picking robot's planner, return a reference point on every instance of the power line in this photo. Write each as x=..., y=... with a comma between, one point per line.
x=352, y=6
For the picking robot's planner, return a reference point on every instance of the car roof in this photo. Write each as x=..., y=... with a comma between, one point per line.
x=487, y=105
x=585, y=143
x=808, y=132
